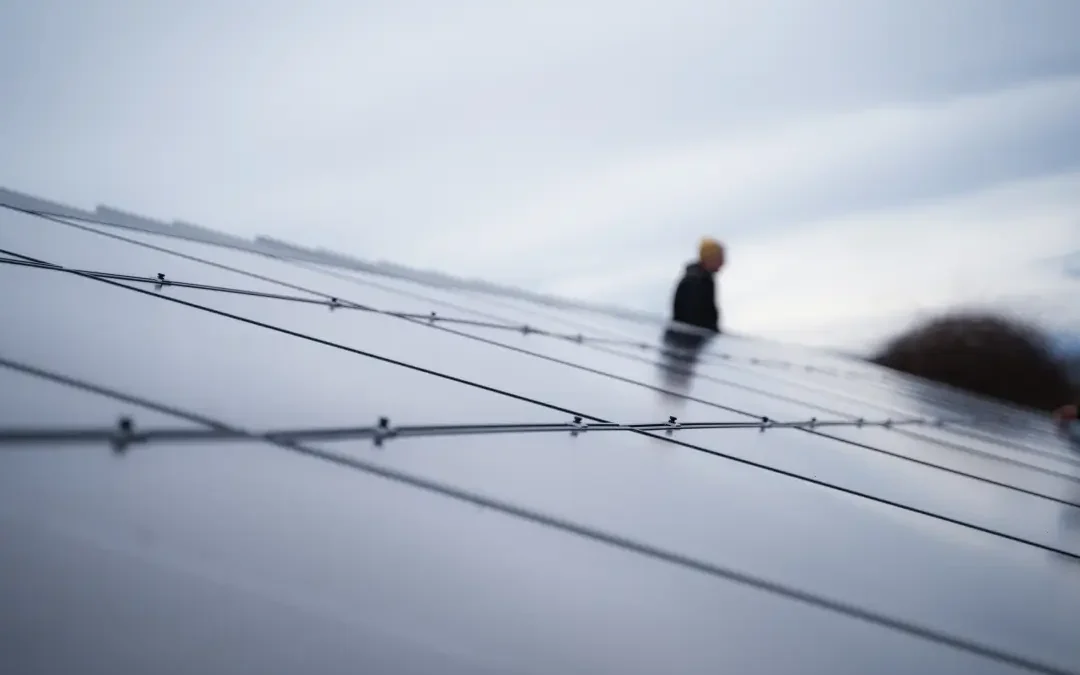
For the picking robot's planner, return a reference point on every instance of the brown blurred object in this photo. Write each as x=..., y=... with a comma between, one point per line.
x=984, y=354
x=1066, y=413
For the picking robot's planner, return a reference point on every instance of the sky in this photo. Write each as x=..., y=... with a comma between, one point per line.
x=866, y=162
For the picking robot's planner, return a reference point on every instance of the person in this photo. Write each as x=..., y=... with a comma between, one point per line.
x=694, y=302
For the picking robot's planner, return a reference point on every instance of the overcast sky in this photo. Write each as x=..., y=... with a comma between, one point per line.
x=864, y=160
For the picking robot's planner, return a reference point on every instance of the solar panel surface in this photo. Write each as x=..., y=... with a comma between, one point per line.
x=542, y=546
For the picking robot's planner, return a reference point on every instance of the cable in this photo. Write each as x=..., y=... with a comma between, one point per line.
x=896, y=455
x=161, y=281
x=495, y=390
x=586, y=532
x=965, y=428
x=384, y=431
x=334, y=303
x=64, y=219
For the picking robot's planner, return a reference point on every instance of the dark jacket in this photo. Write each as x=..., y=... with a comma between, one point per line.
x=695, y=299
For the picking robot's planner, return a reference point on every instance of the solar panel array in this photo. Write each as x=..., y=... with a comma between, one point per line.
x=216, y=461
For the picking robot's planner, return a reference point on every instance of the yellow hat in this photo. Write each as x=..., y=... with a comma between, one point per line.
x=709, y=247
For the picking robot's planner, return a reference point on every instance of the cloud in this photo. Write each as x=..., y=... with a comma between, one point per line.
x=731, y=180
x=850, y=280
x=855, y=279
x=575, y=146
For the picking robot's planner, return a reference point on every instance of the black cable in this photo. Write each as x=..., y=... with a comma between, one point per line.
x=495, y=390
x=67, y=220
x=706, y=355
x=161, y=281
x=963, y=448
x=984, y=454
x=584, y=531
x=889, y=453
x=57, y=435
x=718, y=357
x=591, y=343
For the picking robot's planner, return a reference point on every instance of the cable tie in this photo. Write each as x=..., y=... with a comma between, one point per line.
x=161, y=282
x=124, y=435
x=334, y=304
x=382, y=431
x=765, y=424
x=433, y=317
x=672, y=424
x=812, y=423
x=578, y=426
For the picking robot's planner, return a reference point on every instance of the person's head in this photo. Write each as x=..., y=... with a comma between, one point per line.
x=711, y=254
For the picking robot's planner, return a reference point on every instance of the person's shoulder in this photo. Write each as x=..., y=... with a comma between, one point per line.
x=695, y=272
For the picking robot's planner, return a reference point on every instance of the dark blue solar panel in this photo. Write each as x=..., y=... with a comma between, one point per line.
x=534, y=550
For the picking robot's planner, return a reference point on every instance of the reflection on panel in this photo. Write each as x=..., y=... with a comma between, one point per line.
x=388, y=337
x=223, y=368
x=572, y=551
x=29, y=402
x=852, y=397
x=671, y=376
x=185, y=546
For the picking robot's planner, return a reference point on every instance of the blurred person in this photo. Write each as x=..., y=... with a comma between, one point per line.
x=988, y=355
x=694, y=302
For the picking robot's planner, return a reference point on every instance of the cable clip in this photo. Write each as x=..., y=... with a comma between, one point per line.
x=887, y=424
x=672, y=424
x=161, y=282
x=859, y=423
x=334, y=304
x=812, y=423
x=124, y=436
x=433, y=317
x=765, y=424
x=382, y=432
x=578, y=426
x=527, y=329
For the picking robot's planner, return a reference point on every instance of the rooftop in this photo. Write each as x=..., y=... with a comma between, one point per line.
x=222, y=455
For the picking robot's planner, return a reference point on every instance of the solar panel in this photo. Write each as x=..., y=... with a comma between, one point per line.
x=214, y=460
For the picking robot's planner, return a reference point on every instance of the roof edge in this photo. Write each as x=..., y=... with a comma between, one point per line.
x=277, y=248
